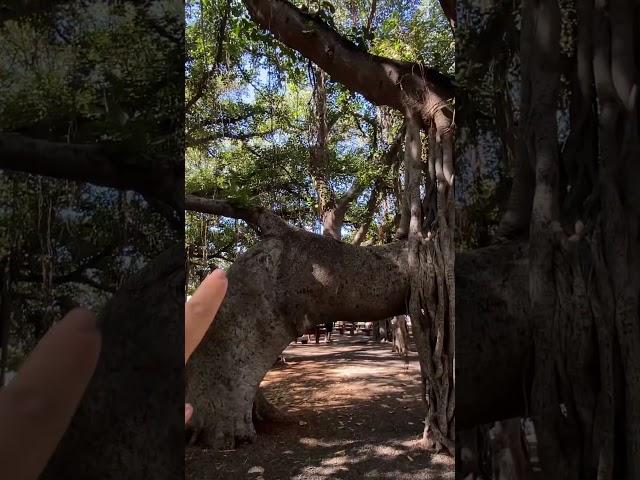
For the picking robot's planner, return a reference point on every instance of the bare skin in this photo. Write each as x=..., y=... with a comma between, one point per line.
x=199, y=313
x=36, y=408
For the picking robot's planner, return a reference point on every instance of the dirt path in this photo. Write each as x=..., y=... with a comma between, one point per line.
x=357, y=415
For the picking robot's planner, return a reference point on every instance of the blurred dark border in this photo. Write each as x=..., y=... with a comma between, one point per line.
x=92, y=214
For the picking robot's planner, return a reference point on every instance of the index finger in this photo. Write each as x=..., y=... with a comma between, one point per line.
x=37, y=406
x=201, y=309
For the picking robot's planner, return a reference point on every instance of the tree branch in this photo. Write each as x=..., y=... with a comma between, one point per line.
x=372, y=203
x=331, y=122
x=372, y=14
x=354, y=190
x=449, y=10
x=369, y=120
x=382, y=81
x=90, y=262
x=92, y=283
x=194, y=142
x=262, y=221
x=234, y=118
x=102, y=165
x=194, y=252
x=202, y=85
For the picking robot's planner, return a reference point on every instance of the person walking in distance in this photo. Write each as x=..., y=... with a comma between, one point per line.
x=328, y=326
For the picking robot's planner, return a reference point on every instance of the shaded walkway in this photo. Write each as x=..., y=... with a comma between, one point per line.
x=357, y=415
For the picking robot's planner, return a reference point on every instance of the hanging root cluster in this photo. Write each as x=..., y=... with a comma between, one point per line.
x=429, y=308
x=432, y=293
x=585, y=401
x=585, y=396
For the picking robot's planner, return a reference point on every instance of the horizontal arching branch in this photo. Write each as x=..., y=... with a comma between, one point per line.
x=262, y=221
x=382, y=81
x=98, y=164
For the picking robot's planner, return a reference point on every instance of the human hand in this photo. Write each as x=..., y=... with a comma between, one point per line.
x=199, y=313
x=37, y=406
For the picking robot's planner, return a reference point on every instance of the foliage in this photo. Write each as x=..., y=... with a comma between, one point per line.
x=484, y=162
x=251, y=128
x=85, y=73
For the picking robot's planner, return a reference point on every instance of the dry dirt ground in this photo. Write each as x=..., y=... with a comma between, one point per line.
x=356, y=415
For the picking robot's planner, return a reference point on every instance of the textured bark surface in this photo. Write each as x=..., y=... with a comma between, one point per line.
x=284, y=284
x=382, y=81
x=584, y=263
x=423, y=97
x=400, y=335
x=542, y=57
x=277, y=289
x=431, y=263
x=493, y=333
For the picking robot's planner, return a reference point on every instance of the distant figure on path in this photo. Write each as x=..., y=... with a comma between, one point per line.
x=328, y=326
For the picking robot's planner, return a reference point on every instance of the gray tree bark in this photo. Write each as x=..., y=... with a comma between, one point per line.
x=583, y=272
x=280, y=287
x=423, y=96
x=400, y=335
x=293, y=279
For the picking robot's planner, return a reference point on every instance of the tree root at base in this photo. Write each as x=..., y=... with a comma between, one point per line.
x=265, y=411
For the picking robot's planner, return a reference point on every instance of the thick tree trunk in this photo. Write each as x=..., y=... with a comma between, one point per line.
x=280, y=287
x=332, y=210
x=400, y=335
x=431, y=267
x=375, y=330
x=493, y=363
x=319, y=160
x=270, y=302
x=380, y=330
x=385, y=329
x=542, y=71
x=293, y=279
x=422, y=95
x=584, y=282
x=332, y=221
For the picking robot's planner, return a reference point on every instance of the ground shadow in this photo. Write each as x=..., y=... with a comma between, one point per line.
x=357, y=413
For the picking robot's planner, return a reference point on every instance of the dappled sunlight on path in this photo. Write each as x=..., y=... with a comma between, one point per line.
x=357, y=414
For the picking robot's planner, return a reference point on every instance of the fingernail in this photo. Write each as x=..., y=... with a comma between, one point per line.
x=219, y=273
